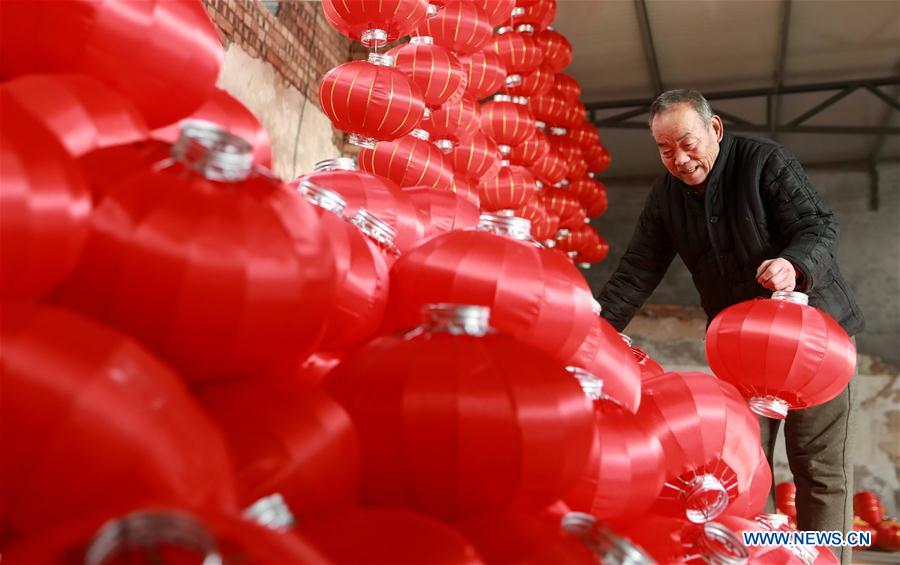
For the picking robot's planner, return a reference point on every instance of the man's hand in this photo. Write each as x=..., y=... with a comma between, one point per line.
x=777, y=274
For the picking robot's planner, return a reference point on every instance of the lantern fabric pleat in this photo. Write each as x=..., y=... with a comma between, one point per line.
x=538, y=13
x=467, y=189
x=753, y=500
x=597, y=158
x=533, y=83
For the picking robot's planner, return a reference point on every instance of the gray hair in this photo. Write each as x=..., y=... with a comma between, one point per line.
x=666, y=100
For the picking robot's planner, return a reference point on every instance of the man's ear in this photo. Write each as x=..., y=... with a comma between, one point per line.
x=718, y=127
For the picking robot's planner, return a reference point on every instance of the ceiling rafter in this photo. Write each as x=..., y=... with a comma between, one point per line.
x=649, y=47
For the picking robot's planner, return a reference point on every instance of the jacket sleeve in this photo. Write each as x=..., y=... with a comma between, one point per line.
x=640, y=270
x=801, y=217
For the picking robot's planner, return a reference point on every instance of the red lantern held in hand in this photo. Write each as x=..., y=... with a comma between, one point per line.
x=867, y=506
x=371, y=100
x=710, y=440
x=436, y=70
x=228, y=113
x=210, y=319
x=511, y=188
x=475, y=157
x=445, y=210
x=539, y=298
x=409, y=395
x=164, y=57
x=78, y=393
x=453, y=123
x=780, y=353
x=485, y=73
x=507, y=121
x=459, y=25
x=375, y=23
x=408, y=161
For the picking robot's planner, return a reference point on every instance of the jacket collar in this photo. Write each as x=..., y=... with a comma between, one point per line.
x=712, y=180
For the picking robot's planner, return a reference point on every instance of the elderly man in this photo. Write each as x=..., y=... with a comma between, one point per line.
x=746, y=220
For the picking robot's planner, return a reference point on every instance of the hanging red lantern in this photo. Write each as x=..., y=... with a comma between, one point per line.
x=780, y=353
x=497, y=11
x=592, y=194
x=503, y=457
x=408, y=161
x=554, y=110
x=433, y=68
x=465, y=188
x=669, y=540
x=228, y=113
x=574, y=238
x=375, y=23
x=710, y=440
x=361, y=272
x=649, y=367
x=752, y=501
x=570, y=152
x=596, y=252
x=868, y=506
x=563, y=204
x=584, y=134
x=445, y=210
x=568, y=87
x=371, y=100
x=518, y=51
x=507, y=122
x=475, y=157
x=459, y=25
x=557, y=49
x=538, y=14
x=287, y=437
x=454, y=122
x=625, y=472
x=509, y=189
x=785, y=499
x=524, y=538
x=485, y=73
x=379, y=195
x=164, y=57
x=210, y=319
x=551, y=168
x=533, y=83
x=372, y=536
x=530, y=150
x=535, y=297
x=82, y=394
x=45, y=205
x=543, y=225
x=597, y=158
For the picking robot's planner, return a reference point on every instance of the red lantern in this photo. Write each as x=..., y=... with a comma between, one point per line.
x=445, y=210
x=554, y=110
x=597, y=158
x=218, y=318
x=378, y=195
x=104, y=169
x=371, y=100
x=543, y=225
x=163, y=56
x=785, y=499
x=530, y=150
x=100, y=423
x=860, y=525
x=459, y=25
x=454, y=122
x=557, y=49
x=375, y=23
x=752, y=501
x=452, y=381
x=475, y=157
x=361, y=281
x=45, y=205
x=568, y=87
x=287, y=437
x=518, y=51
x=408, y=161
x=867, y=506
x=594, y=198
x=370, y=536
x=584, y=134
x=780, y=353
x=507, y=122
x=537, y=14
x=466, y=189
x=571, y=153
x=540, y=298
x=551, y=168
x=596, y=252
x=509, y=189
x=625, y=473
x=668, y=540
x=228, y=113
x=710, y=440
x=889, y=535
x=524, y=538
x=485, y=73
x=533, y=83
x=649, y=367
x=562, y=203
x=434, y=69
x=497, y=11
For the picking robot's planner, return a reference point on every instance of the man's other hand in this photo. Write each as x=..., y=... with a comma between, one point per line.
x=777, y=274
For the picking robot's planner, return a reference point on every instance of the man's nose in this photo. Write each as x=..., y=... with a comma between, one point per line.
x=681, y=158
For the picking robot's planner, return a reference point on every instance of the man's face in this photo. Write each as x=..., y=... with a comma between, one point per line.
x=688, y=147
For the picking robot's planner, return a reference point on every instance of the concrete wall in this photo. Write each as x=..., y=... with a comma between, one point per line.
x=868, y=252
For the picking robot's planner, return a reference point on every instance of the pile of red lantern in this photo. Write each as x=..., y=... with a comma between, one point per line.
x=392, y=358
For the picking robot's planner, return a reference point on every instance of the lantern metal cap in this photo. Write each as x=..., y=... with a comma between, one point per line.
x=322, y=197
x=504, y=163
x=549, y=243
x=337, y=164
x=445, y=145
x=572, y=254
x=504, y=149
x=592, y=175
x=628, y=341
x=608, y=546
x=147, y=529
x=558, y=131
x=216, y=154
x=720, y=546
x=520, y=100
x=583, y=265
x=426, y=114
x=502, y=98
x=541, y=125
x=457, y=319
x=373, y=38
x=562, y=184
x=270, y=511
x=587, y=220
x=791, y=296
x=591, y=384
x=769, y=406
x=422, y=39
x=703, y=498
x=505, y=29
x=539, y=185
x=513, y=80
x=563, y=232
x=377, y=230
x=525, y=28
x=510, y=226
x=518, y=11
x=432, y=10
x=771, y=521
x=381, y=59
x=420, y=134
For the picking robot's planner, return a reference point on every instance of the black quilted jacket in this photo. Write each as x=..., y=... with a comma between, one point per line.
x=758, y=205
